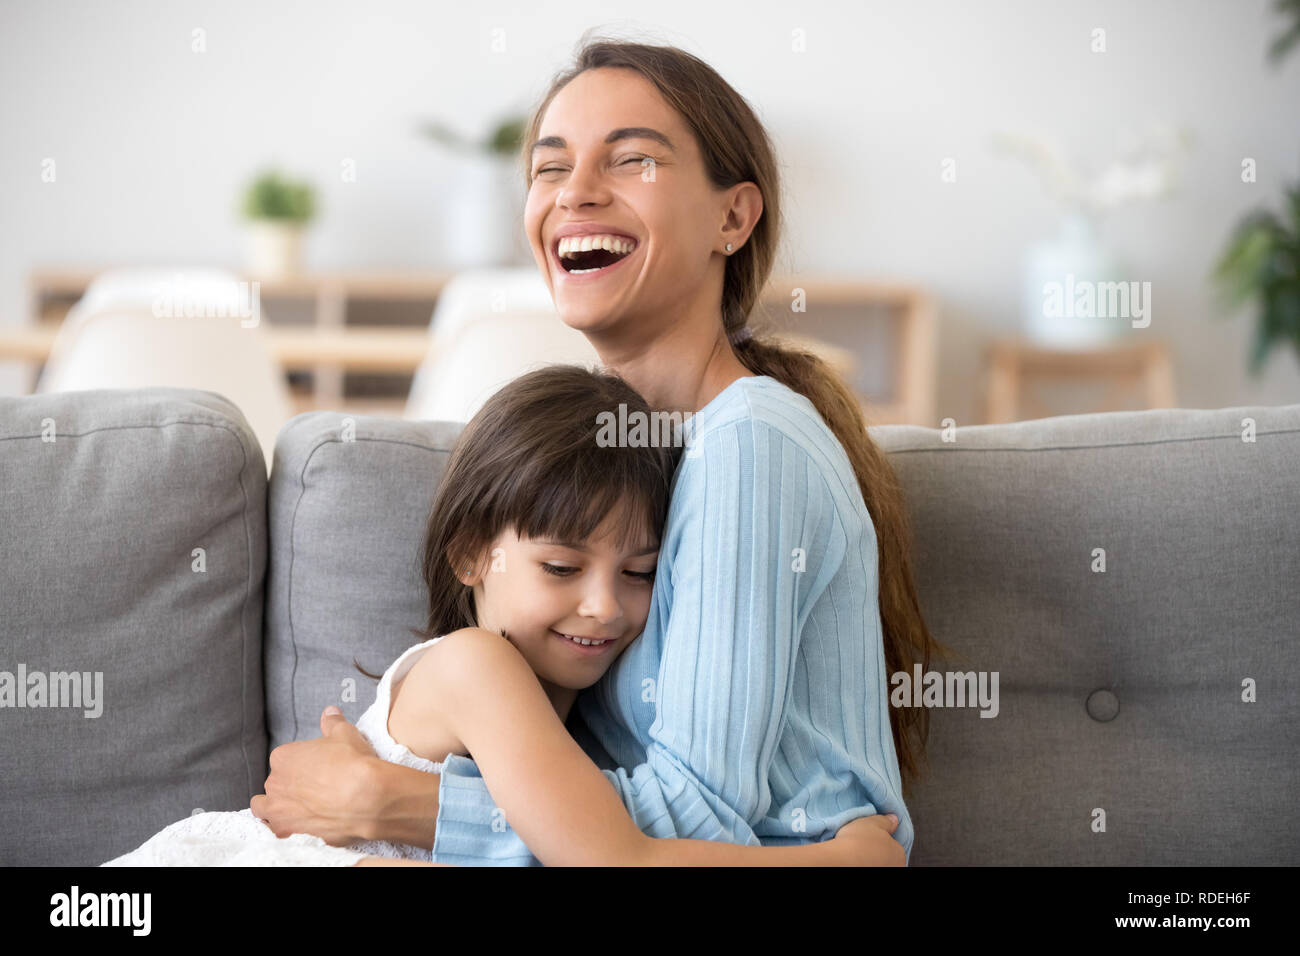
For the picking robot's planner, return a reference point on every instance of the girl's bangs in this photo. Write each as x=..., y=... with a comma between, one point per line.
x=571, y=508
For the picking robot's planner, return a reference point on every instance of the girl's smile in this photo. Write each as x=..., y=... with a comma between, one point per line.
x=594, y=649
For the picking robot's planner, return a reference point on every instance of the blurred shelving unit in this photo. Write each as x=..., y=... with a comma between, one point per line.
x=345, y=338
x=353, y=340
x=1140, y=371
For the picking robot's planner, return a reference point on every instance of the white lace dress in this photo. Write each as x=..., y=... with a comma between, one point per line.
x=241, y=839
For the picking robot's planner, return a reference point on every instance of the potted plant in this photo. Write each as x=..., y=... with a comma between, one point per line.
x=484, y=215
x=1145, y=169
x=1261, y=263
x=277, y=209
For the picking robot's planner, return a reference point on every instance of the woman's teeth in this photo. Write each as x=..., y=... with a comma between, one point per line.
x=570, y=247
x=618, y=244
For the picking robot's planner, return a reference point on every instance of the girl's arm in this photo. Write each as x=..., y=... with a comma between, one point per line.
x=863, y=842
x=481, y=690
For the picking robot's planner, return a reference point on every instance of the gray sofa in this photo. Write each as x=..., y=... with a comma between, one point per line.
x=141, y=540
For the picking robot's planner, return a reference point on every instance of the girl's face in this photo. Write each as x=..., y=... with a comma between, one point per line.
x=590, y=168
x=541, y=594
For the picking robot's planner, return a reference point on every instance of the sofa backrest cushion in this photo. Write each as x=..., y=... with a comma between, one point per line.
x=1156, y=694
x=132, y=562
x=348, y=505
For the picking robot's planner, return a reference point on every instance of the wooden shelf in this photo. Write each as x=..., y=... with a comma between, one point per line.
x=381, y=284
x=332, y=346
x=385, y=407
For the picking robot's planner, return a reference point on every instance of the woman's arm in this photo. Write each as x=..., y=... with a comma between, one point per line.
x=862, y=842
x=338, y=789
x=481, y=690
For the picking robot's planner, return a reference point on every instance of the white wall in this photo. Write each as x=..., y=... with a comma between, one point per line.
x=153, y=141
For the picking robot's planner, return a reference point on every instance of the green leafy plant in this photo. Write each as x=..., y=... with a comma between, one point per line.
x=504, y=140
x=273, y=196
x=1261, y=263
x=1291, y=35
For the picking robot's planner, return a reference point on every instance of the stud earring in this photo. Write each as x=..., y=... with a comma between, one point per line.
x=728, y=247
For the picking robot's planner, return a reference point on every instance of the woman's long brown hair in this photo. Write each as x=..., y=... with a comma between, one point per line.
x=736, y=149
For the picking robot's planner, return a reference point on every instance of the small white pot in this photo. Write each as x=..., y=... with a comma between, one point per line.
x=1056, y=270
x=483, y=217
x=274, y=247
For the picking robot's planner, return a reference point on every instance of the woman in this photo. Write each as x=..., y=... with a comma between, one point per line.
x=754, y=708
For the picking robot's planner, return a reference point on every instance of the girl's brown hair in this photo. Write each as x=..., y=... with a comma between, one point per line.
x=534, y=459
x=736, y=149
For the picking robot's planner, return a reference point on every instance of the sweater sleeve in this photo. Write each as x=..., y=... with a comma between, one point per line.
x=754, y=543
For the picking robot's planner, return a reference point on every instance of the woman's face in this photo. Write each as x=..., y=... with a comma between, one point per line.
x=614, y=155
x=536, y=591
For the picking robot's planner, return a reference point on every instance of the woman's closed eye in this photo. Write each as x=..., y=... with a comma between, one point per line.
x=563, y=571
x=623, y=162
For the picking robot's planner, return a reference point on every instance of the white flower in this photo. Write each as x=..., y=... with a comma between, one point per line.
x=1145, y=169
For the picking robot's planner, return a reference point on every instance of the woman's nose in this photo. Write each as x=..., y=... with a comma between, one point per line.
x=583, y=186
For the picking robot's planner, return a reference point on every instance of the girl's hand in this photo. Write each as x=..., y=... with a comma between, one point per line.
x=868, y=841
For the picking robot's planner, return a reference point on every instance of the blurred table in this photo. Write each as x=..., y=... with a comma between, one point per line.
x=1014, y=363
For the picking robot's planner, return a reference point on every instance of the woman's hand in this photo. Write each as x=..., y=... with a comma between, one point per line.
x=868, y=841
x=325, y=787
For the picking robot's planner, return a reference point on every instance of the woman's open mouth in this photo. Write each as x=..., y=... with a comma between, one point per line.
x=591, y=257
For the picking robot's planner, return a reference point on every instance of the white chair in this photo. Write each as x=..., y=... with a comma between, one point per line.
x=135, y=289
x=488, y=328
x=142, y=328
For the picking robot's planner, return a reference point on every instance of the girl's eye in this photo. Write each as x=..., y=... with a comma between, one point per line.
x=562, y=571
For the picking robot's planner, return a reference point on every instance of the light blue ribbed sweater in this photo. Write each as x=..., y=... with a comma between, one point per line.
x=754, y=707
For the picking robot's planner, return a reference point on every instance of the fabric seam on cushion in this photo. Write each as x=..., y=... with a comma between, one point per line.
x=293, y=527
x=1233, y=436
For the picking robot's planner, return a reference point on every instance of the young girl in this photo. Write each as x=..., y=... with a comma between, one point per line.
x=540, y=557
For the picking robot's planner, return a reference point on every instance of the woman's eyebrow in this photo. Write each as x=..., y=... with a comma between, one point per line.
x=625, y=132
